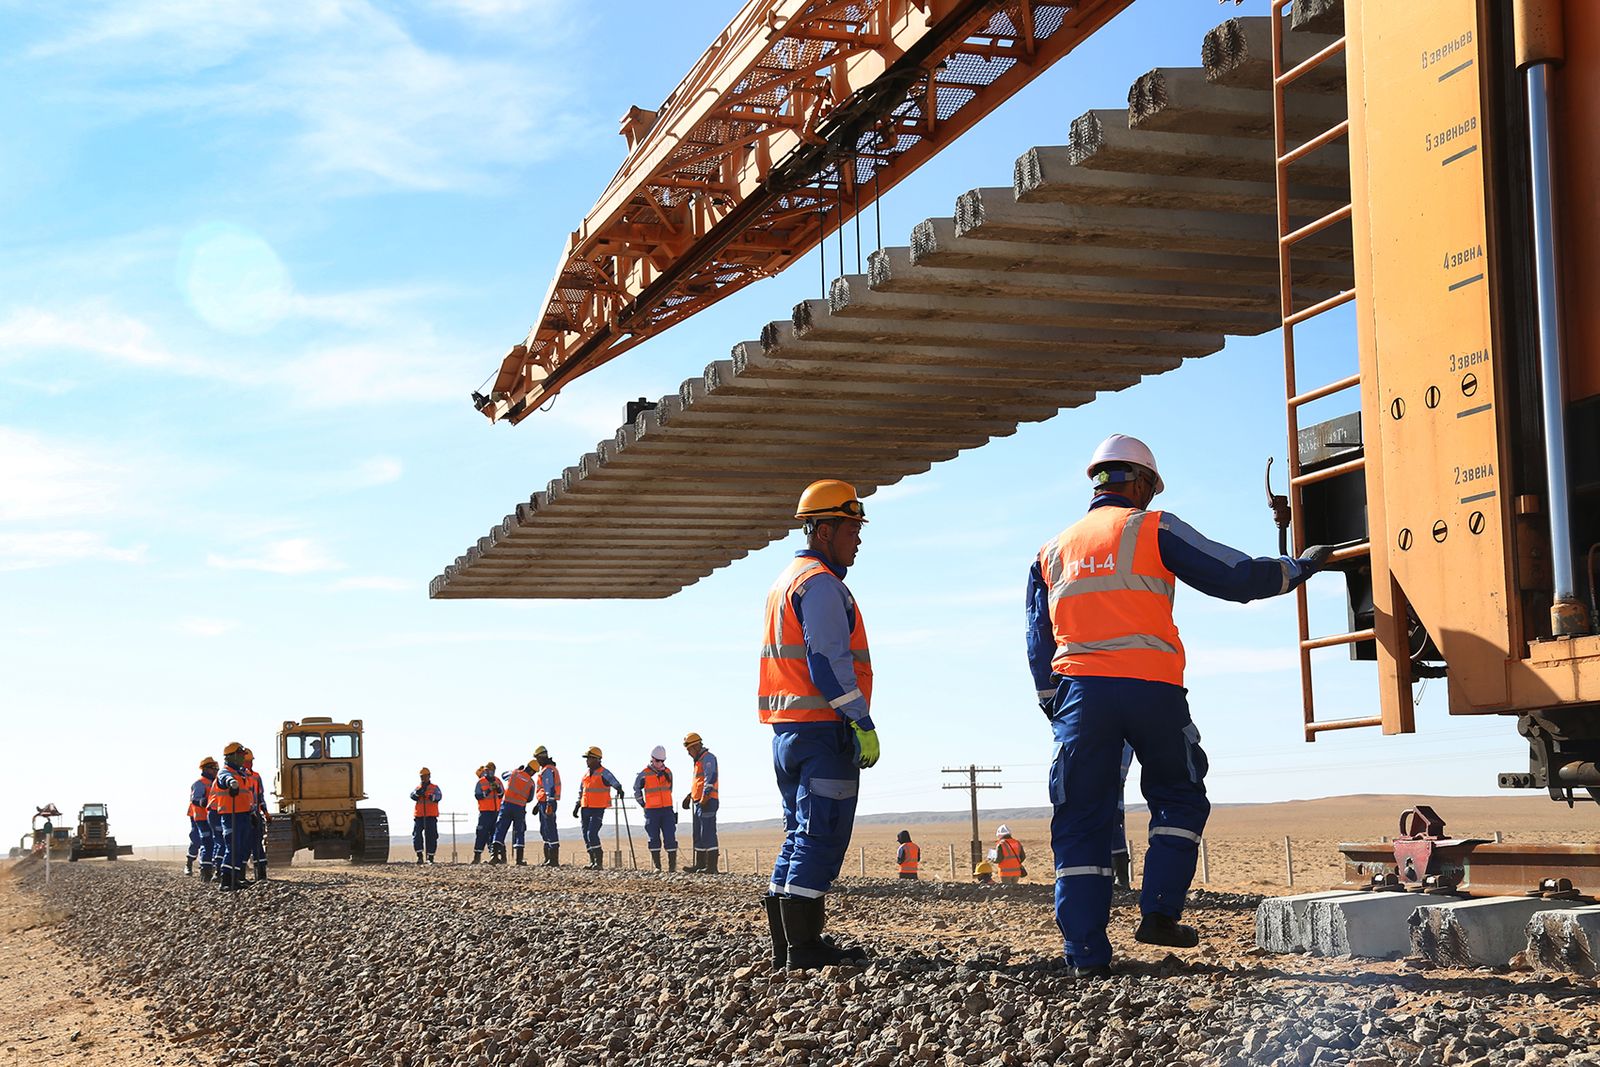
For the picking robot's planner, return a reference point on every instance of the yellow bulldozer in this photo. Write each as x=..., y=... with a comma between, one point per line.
x=319, y=785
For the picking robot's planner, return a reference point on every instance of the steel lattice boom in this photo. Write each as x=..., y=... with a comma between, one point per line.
x=798, y=114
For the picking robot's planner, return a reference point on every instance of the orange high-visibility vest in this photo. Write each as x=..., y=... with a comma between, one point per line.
x=657, y=788
x=260, y=788
x=519, y=787
x=1111, y=598
x=213, y=791
x=910, y=856
x=427, y=804
x=549, y=784
x=490, y=801
x=596, y=794
x=1009, y=852
x=227, y=803
x=198, y=811
x=787, y=693
x=702, y=790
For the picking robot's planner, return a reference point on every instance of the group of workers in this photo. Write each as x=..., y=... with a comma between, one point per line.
x=1107, y=665
x=1004, y=859
x=503, y=802
x=228, y=820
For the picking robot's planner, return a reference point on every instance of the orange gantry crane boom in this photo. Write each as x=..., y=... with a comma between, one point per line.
x=801, y=111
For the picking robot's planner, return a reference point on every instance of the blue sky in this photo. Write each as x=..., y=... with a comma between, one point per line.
x=254, y=258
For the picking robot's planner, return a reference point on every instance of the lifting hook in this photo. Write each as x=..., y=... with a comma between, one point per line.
x=1280, y=512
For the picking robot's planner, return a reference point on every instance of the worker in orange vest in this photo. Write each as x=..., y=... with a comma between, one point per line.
x=200, y=839
x=236, y=804
x=815, y=692
x=908, y=855
x=593, y=799
x=513, y=815
x=425, y=825
x=487, y=792
x=546, y=795
x=1009, y=856
x=1108, y=666
x=652, y=791
x=259, y=818
x=702, y=797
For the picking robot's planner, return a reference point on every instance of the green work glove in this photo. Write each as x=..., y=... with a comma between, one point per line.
x=866, y=745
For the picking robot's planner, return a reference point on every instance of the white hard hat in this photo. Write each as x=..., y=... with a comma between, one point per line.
x=1120, y=448
x=1004, y=831
x=659, y=752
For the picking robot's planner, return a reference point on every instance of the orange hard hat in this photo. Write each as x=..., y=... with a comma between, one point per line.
x=830, y=499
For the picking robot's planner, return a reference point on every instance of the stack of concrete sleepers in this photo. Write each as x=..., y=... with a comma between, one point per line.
x=1144, y=241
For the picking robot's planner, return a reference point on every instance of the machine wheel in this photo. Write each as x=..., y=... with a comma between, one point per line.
x=280, y=841
x=372, y=837
x=72, y=856
x=111, y=848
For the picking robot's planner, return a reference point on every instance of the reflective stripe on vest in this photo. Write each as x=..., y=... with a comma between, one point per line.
x=596, y=794
x=787, y=693
x=427, y=804
x=1009, y=851
x=198, y=811
x=549, y=785
x=1111, y=598
x=519, y=787
x=213, y=791
x=227, y=803
x=657, y=788
x=490, y=801
x=700, y=791
x=911, y=855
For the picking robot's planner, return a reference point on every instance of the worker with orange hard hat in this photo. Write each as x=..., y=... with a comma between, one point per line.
x=235, y=795
x=1108, y=666
x=488, y=793
x=425, y=813
x=201, y=841
x=816, y=694
x=594, y=797
x=702, y=802
x=259, y=818
x=546, y=795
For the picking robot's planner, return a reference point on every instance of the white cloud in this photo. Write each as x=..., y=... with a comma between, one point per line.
x=43, y=480
x=380, y=583
x=199, y=627
x=379, y=470
x=90, y=328
x=30, y=550
x=294, y=555
x=361, y=95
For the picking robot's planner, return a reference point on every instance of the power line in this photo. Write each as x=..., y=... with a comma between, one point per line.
x=972, y=785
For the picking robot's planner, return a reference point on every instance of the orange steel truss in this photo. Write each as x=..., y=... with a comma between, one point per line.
x=799, y=113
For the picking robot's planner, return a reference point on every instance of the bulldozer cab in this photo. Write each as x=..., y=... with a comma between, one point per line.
x=92, y=821
x=319, y=765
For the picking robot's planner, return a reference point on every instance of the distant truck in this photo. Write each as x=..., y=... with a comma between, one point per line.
x=41, y=839
x=93, y=836
x=319, y=785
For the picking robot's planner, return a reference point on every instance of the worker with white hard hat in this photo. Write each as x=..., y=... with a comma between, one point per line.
x=1108, y=666
x=652, y=791
x=816, y=693
x=1009, y=855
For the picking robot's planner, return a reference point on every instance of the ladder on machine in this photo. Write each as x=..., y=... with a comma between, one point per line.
x=1288, y=237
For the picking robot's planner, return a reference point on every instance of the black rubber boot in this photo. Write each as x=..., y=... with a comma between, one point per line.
x=672, y=860
x=205, y=872
x=780, y=940
x=655, y=857
x=803, y=918
x=1158, y=929
x=597, y=857
x=711, y=862
x=696, y=867
x=1119, y=864
x=225, y=880
x=430, y=857
x=419, y=859
x=1099, y=971
x=497, y=853
x=261, y=870
x=522, y=856
x=555, y=855
x=477, y=855
x=188, y=865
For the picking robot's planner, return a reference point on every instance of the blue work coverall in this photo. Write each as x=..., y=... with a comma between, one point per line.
x=425, y=828
x=660, y=824
x=703, y=816
x=201, y=841
x=1092, y=718
x=815, y=762
x=548, y=784
x=237, y=827
x=486, y=818
x=592, y=819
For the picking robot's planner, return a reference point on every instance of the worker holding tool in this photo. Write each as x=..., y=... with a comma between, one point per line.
x=652, y=791
x=1108, y=666
x=488, y=793
x=593, y=800
x=513, y=815
x=547, y=794
x=258, y=818
x=908, y=856
x=425, y=826
x=236, y=804
x=816, y=692
x=702, y=798
x=201, y=842
x=1008, y=855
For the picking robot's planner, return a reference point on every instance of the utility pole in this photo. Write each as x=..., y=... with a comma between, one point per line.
x=973, y=785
